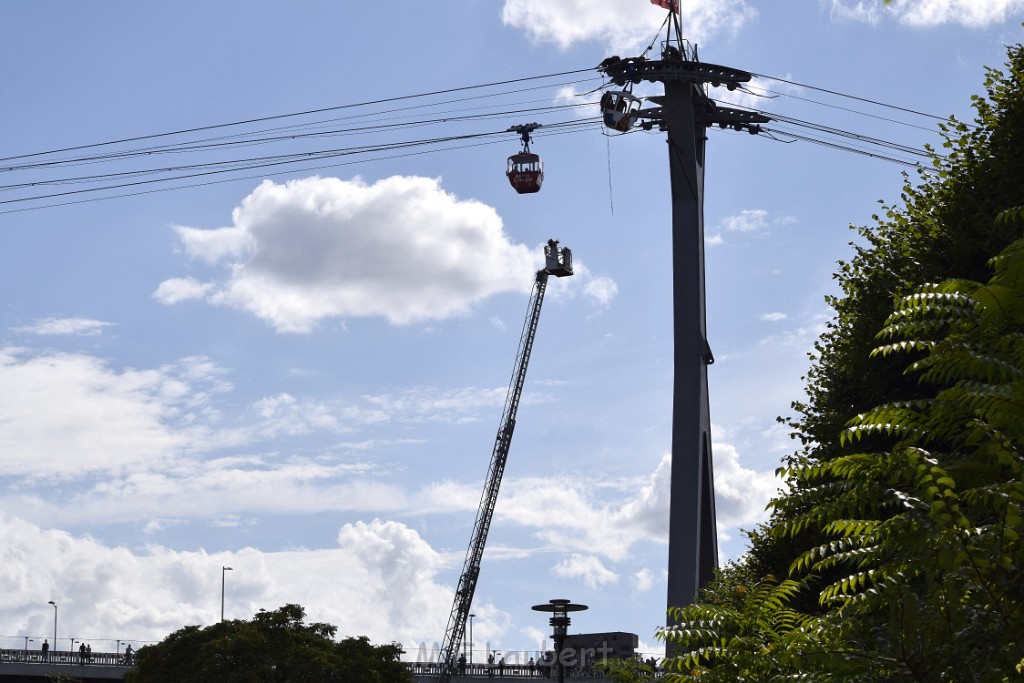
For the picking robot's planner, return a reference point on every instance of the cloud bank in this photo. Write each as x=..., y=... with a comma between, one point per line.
x=929, y=13
x=620, y=26
x=401, y=248
x=380, y=581
x=320, y=248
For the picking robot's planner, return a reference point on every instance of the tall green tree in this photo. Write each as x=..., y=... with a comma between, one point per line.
x=902, y=517
x=923, y=540
x=943, y=227
x=273, y=647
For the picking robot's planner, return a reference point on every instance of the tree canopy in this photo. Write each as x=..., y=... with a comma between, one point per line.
x=273, y=647
x=895, y=552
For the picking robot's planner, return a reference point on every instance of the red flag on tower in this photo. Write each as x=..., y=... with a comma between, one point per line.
x=670, y=5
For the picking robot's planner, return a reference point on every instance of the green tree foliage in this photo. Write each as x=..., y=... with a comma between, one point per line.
x=275, y=646
x=922, y=540
x=625, y=670
x=945, y=227
x=737, y=638
x=899, y=530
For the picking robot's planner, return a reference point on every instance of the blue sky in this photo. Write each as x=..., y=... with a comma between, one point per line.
x=298, y=371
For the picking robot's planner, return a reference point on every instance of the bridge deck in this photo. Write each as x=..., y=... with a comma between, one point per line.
x=29, y=666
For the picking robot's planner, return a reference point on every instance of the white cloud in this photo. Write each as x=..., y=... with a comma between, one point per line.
x=868, y=11
x=365, y=586
x=972, y=13
x=747, y=220
x=82, y=327
x=396, y=588
x=140, y=442
x=380, y=581
x=601, y=289
x=774, y=316
x=143, y=442
x=67, y=415
x=741, y=494
x=178, y=289
x=208, y=490
x=321, y=248
x=620, y=26
x=752, y=222
x=601, y=527
x=643, y=580
x=608, y=527
x=801, y=337
x=928, y=13
x=587, y=568
x=211, y=246
x=584, y=103
x=427, y=404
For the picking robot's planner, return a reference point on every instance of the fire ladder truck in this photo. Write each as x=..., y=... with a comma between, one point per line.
x=558, y=262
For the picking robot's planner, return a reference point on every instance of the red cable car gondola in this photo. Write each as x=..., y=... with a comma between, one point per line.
x=525, y=170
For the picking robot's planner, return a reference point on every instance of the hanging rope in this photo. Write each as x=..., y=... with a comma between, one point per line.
x=608, y=145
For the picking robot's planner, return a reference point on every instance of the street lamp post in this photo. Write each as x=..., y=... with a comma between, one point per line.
x=560, y=626
x=471, y=617
x=51, y=602
x=222, y=571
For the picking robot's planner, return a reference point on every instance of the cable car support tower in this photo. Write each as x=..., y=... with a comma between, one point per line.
x=685, y=112
x=558, y=262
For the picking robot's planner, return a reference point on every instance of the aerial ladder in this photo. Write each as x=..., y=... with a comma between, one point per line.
x=558, y=262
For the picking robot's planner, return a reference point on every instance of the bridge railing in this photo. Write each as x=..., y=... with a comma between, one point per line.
x=509, y=670
x=515, y=671
x=63, y=657
x=419, y=669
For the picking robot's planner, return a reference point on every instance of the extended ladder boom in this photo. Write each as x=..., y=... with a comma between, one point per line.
x=558, y=263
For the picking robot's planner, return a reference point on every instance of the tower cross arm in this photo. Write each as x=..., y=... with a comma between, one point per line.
x=636, y=69
x=727, y=116
x=709, y=114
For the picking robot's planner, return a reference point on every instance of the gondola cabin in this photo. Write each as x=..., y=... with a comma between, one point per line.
x=525, y=172
x=620, y=109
